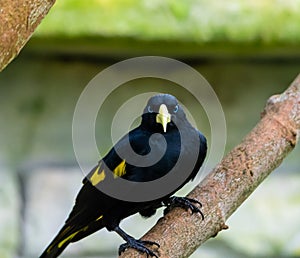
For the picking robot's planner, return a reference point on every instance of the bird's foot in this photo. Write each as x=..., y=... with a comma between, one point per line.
x=183, y=202
x=139, y=245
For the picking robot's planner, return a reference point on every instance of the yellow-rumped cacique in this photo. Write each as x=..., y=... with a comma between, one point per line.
x=94, y=209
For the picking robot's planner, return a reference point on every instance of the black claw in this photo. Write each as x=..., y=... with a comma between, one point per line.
x=193, y=201
x=140, y=246
x=147, y=242
x=131, y=242
x=183, y=202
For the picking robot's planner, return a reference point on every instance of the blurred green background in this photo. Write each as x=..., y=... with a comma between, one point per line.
x=247, y=51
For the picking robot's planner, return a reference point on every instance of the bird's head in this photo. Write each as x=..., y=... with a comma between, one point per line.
x=162, y=113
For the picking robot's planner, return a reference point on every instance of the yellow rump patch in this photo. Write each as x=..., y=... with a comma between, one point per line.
x=120, y=169
x=70, y=237
x=96, y=178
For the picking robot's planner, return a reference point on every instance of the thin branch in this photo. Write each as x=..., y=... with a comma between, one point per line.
x=18, y=20
x=233, y=180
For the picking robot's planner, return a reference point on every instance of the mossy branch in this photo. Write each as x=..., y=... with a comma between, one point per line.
x=233, y=180
x=19, y=19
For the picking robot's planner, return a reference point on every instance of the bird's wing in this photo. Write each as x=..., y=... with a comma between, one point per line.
x=89, y=196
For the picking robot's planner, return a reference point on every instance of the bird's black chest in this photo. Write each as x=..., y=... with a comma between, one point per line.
x=160, y=152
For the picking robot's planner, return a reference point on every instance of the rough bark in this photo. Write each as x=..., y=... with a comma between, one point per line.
x=233, y=180
x=18, y=20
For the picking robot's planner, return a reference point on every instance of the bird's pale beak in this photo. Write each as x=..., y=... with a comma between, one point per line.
x=163, y=117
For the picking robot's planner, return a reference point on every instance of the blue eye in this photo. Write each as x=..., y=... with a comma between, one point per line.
x=176, y=109
x=150, y=109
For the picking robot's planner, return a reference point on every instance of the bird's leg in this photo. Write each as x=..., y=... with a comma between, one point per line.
x=183, y=202
x=134, y=243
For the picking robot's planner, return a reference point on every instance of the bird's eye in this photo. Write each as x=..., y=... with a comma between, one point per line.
x=176, y=109
x=150, y=110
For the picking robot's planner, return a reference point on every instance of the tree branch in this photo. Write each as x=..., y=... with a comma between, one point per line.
x=233, y=180
x=18, y=20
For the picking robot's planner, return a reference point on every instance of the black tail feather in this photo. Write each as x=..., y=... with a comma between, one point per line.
x=59, y=243
x=67, y=235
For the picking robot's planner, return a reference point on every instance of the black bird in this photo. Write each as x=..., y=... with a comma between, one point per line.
x=165, y=130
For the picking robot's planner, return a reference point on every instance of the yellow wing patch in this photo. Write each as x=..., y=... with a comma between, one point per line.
x=96, y=178
x=120, y=170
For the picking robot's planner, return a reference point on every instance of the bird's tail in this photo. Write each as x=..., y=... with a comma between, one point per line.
x=67, y=235
x=60, y=242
